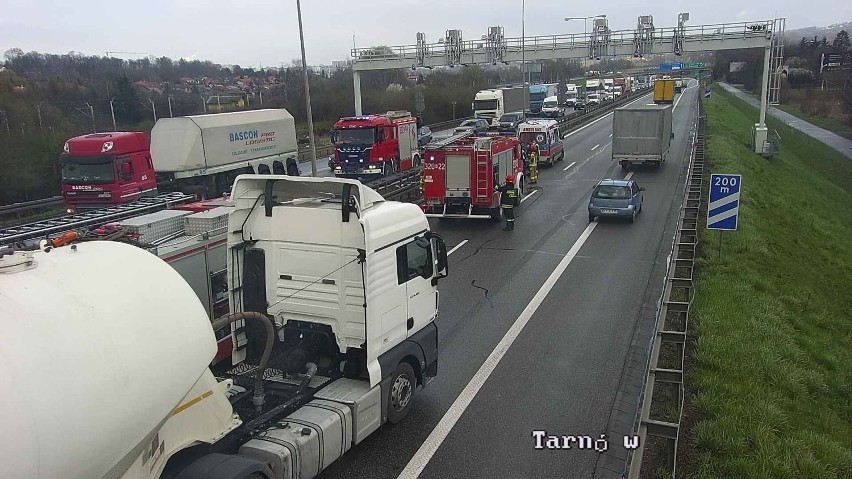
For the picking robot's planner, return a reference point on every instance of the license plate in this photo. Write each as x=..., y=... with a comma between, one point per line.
x=609, y=212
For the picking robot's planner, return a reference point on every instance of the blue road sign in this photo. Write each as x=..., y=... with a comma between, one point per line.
x=677, y=66
x=665, y=67
x=724, y=205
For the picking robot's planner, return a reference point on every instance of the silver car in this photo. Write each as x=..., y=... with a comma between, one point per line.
x=616, y=199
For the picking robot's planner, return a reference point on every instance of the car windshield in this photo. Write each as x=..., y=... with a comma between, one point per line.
x=485, y=105
x=611, y=192
x=508, y=118
x=550, y=104
x=365, y=136
x=592, y=96
x=87, y=169
x=468, y=123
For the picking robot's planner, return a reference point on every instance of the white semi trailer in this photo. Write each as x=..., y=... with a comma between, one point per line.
x=108, y=381
x=203, y=154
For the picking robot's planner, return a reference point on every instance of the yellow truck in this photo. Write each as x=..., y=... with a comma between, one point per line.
x=664, y=90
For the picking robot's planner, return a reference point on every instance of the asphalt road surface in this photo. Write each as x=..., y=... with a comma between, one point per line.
x=577, y=301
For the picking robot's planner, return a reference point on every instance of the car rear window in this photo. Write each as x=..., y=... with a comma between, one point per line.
x=611, y=192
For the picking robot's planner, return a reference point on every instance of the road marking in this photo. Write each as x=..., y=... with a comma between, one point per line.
x=629, y=175
x=610, y=135
x=424, y=454
x=569, y=166
x=595, y=146
x=456, y=247
x=527, y=197
x=601, y=118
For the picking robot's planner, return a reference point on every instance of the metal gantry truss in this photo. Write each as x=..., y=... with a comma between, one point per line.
x=646, y=39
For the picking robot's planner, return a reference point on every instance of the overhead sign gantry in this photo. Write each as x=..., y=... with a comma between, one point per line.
x=601, y=42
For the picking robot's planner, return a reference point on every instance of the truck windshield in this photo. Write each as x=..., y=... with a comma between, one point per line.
x=364, y=136
x=87, y=169
x=536, y=96
x=485, y=105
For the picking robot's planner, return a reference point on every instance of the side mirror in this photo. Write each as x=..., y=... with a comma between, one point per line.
x=440, y=254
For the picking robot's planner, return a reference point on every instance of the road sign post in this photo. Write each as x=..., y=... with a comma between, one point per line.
x=724, y=204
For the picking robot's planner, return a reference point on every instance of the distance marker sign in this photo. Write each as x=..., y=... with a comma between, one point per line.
x=724, y=205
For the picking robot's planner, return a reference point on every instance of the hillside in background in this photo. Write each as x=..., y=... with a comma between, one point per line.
x=793, y=36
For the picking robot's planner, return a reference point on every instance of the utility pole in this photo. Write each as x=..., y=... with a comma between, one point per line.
x=112, y=111
x=154, y=109
x=523, y=59
x=170, y=108
x=38, y=108
x=261, y=97
x=92, y=111
x=307, y=93
x=204, y=103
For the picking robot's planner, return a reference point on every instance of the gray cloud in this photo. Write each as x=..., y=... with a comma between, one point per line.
x=265, y=32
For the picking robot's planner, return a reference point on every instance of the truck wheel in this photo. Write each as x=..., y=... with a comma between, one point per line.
x=401, y=393
x=200, y=192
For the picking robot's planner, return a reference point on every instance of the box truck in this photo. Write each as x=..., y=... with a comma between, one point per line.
x=641, y=135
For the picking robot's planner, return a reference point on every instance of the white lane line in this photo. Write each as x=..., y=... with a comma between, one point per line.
x=601, y=118
x=575, y=170
x=595, y=147
x=525, y=198
x=610, y=135
x=569, y=166
x=445, y=425
x=629, y=175
x=456, y=247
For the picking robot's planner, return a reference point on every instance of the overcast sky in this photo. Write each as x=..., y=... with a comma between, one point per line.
x=266, y=32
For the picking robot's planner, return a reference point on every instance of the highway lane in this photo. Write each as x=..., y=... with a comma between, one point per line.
x=512, y=267
x=563, y=373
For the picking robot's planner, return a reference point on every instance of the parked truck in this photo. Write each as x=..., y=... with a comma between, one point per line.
x=199, y=155
x=641, y=134
x=334, y=350
x=664, y=90
x=375, y=145
x=538, y=93
x=492, y=104
x=461, y=174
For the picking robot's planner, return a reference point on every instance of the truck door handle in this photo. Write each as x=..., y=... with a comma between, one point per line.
x=410, y=323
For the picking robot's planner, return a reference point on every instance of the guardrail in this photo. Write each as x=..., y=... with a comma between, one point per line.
x=672, y=323
x=27, y=206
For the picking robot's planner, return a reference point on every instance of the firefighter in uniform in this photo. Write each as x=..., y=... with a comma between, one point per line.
x=508, y=202
x=533, y=162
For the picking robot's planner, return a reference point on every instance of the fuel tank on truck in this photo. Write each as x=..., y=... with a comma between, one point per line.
x=200, y=142
x=101, y=341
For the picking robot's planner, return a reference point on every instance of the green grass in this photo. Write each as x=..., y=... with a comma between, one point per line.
x=829, y=124
x=771, y=383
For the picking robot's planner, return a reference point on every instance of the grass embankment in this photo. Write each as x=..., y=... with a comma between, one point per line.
x=770, y=382
x=829, y=124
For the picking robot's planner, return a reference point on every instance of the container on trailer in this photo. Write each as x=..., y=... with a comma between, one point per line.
x=155, y=226
x=205, y=221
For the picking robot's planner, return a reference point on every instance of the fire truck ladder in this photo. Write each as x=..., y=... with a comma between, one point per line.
x=40, y=229
x=449, y=140
x=482, y=174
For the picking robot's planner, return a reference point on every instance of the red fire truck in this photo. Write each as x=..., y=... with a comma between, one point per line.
x=462, y=172
x=376, y=145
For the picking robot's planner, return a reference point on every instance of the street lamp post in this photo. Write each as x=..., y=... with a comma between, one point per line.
x=585, y=20
x=307, y=94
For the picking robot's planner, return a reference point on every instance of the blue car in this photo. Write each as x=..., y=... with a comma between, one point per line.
x=615, y=199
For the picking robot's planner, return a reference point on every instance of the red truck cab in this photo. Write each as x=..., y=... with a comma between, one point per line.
x=376, y=145
x=106, y=169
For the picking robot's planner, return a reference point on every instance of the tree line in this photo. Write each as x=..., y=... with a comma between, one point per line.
x=47, y=98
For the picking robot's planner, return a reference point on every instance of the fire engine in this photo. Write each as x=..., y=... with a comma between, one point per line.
x=375, y=145
x=461, y=174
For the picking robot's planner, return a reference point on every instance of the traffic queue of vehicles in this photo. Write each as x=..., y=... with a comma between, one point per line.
x=272, y=331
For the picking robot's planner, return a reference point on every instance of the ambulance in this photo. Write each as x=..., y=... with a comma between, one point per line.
x=548, y=137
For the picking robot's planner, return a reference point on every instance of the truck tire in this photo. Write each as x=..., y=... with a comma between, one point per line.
x=200, y=192
x=401, y=393
x=225, y=466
